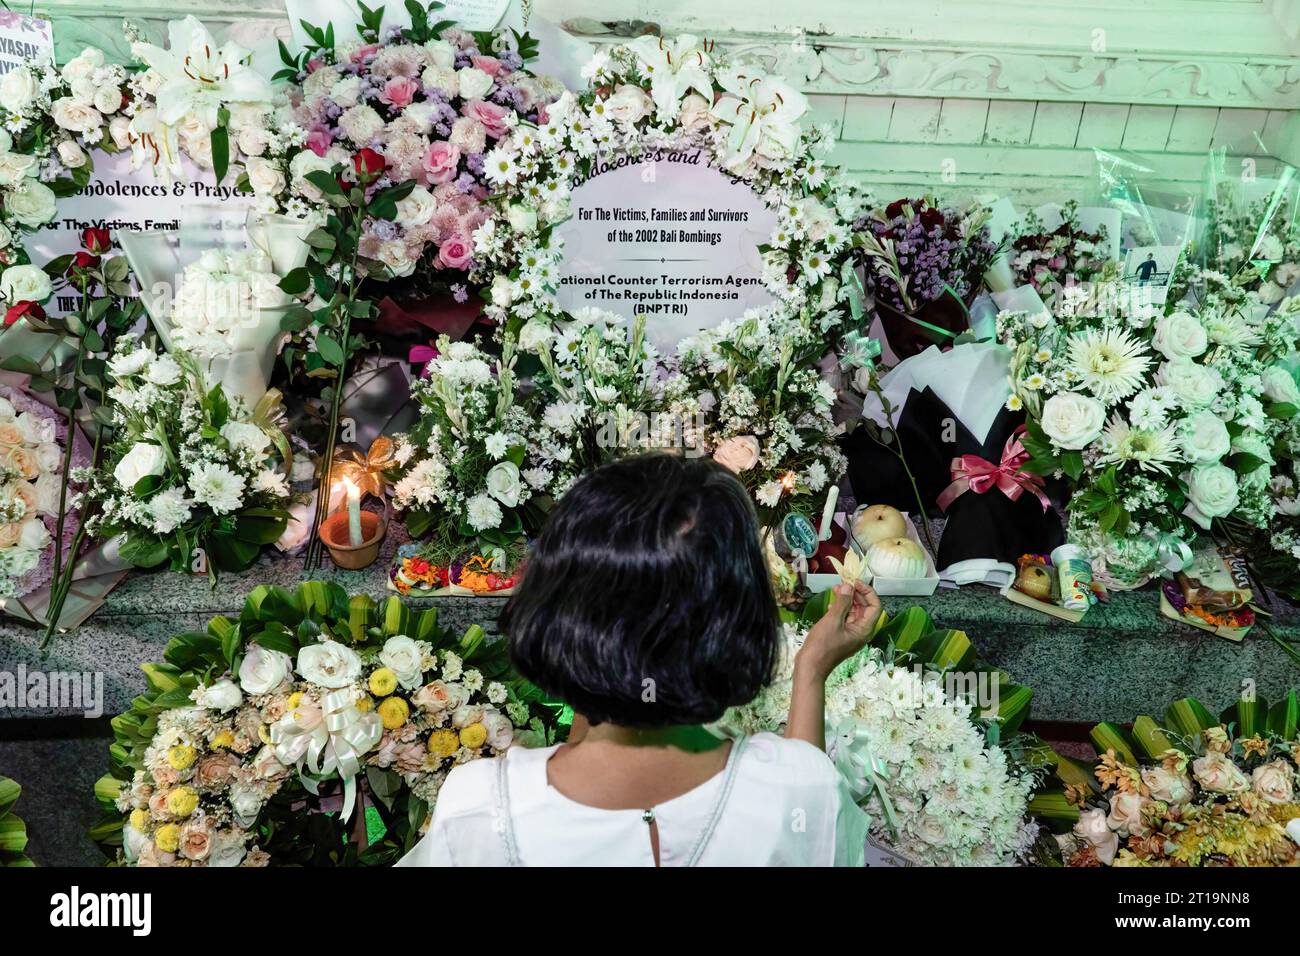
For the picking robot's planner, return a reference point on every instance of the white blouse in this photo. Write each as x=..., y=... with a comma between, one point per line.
x=779, y=802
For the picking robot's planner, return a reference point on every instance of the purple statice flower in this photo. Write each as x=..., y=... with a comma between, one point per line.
x=383, y=229
x=390, y=33
x=510, y=60
x=474, y=163
x=459, y=292
x=466, y=183
x=442, y=129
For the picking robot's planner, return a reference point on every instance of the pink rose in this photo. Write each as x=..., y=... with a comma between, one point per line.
x=314, y=65
x=495, y=118
x=399, y=92
x=216, y=770
x=319, y=141
x=362, y=53
x=488, y=64
x=441, y=162
x=456, y=252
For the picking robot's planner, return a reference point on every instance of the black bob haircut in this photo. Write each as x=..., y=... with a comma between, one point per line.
x=646, y=601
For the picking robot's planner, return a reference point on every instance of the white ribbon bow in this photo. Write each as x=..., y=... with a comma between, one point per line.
x=325, y=740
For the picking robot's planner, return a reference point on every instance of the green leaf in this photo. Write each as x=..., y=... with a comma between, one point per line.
x=330, y=350
x=1188, y=718
x=296, y=282
x=1072, y=464
x=904, y=629
x=1106, y=736
x=144, y=551
x=1056, y=813
x=1250, y=716
x=9, y=793
x=1151, y=738
x=220, y=152
x=1284, y=717
x=325, y=181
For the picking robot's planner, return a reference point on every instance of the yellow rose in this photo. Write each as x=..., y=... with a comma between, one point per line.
x=473, y=736
x=140, y=820
x=168, y=838
x=383, y=682
x=223, y=740
x=443, y=743
x=393, y=712
x=182, y=756
x=182, y=801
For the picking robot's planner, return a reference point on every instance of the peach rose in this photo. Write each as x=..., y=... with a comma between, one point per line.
x=1273, y=782
x=196, y=840
x=738, y=453
x=216, y=770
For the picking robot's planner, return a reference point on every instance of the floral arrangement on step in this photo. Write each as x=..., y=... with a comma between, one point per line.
x=1067, y=255
x=314, y=729
x=1163, y=423
x=750, y=394
x=190, y=477
x=928, y=766
x=1197, y=790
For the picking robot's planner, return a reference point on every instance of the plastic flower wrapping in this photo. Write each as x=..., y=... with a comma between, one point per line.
x=187, y=468
x=1162, y=417
x=32, y=446
x=954, y=798
x=310, y=702
x=750, y=394
x=656, y=95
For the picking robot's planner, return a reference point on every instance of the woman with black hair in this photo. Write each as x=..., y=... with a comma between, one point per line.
x=647, y=607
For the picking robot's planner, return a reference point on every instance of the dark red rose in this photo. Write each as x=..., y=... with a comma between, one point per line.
x=931, y=217
x=95, y=240
x=895, y=208
x=369, y=164
x=20, y=309
x=83, y=260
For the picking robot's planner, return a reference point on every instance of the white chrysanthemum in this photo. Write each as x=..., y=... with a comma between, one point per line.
x=483, y=513
x=168, y=510
x=1149, y=449
x=217, y=486
x=1109, y=362
x=271, y=482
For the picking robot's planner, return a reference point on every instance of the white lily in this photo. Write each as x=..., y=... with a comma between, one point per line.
x=763, y=113
x=852, y=569
x=675, y=67
x=198, y=76
x=154, y=143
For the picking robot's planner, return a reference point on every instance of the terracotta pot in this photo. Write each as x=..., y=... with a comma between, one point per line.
x=334, y=533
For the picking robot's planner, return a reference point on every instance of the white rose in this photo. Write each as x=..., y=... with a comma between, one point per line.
x=15, y=167
x=1126, y=814
x=25, y=283
x=1205, y=437
x=1071, y=420
x=738, y=453
x=144, y=459
x=536, y=335
x=32, y=204
x=108, y=99
x=262, y=670
x=36, y=429
x=18, y=89
x=264, y=176
x=1280, y=386
x=33, y=535
x=1212, y=490
x=416, y=209
x=503, y=292
x=223, y=696
x=72, y=155
x=83, y=66
x=303, y=163
x=1180, y=335
x=1195, y=386
x=441, y=53
x=1093, y=829
x=402, y=656
x=1218, y=773
x=119, y=128
x=397, y=257
x=1273, y=782
x=245, y=803
x=329, y=664
x=74, y=116
x=253, y=140
x=522, y=219
x=628, y=104
x=694, y=113
x=501, y=733
x=1167, y=785
x=503, y=483
x=467, y=714
x=474, y=83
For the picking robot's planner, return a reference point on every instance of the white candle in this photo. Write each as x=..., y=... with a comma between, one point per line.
x=828, y=513
x=354, y=511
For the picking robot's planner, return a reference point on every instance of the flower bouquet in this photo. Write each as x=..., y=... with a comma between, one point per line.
x=463, y=475
x=191, y=478
x=253, y=733
x=1161, y=424
x=1195, y=791
x=1068, y=254
x=923, y=265
x=940, y=788
x=762, y=406
x=31, y=463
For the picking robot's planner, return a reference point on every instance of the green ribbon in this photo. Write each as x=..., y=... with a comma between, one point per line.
x=860, y=351
x=866, y=773
x=1171, y=550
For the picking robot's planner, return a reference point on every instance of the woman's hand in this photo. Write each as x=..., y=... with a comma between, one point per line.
x=842, y=631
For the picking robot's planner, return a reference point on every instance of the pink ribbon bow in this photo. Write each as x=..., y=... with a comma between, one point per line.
x=422, y=355
x=973, y=473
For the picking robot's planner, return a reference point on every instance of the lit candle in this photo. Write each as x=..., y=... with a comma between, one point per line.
x=354, y=511
x=828, y=514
